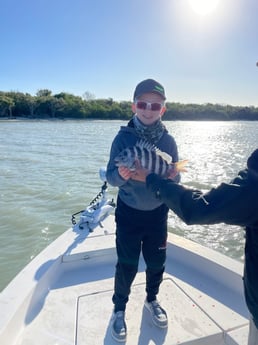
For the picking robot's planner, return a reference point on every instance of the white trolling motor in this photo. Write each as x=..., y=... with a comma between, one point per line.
x=99, y=208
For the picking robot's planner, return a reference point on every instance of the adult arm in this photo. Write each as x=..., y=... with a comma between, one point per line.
x=234, y=203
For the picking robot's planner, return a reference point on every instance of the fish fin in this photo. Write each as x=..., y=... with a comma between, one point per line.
x=147, y=145
x=164, y=155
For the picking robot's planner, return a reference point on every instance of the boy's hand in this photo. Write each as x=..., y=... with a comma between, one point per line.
x=139, y=174
x=125, y=173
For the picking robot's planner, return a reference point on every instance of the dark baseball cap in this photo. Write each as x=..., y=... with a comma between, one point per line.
x=148, y=86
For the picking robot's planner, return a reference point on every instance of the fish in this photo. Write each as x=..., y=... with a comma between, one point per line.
x=151, y=158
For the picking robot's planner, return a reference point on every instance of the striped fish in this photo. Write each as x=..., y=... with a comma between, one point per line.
x=150, y=158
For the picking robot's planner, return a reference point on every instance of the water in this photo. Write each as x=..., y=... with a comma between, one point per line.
x=49, y=170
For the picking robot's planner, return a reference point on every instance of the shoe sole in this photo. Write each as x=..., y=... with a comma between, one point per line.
x=156, y=323
x=120, y=340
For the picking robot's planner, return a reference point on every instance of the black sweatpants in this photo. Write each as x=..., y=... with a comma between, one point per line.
x=138, y=231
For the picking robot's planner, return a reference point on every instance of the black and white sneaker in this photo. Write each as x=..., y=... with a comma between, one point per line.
x=158, y=314
x=118, y=329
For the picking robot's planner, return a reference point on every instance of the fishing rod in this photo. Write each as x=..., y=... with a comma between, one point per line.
x=98, y=209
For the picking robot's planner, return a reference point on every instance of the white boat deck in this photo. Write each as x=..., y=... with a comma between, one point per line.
x=202, y=293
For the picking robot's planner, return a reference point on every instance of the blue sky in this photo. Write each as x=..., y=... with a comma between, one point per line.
x=106, y=47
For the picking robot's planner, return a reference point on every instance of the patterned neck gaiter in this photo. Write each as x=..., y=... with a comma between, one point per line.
x=151, y=133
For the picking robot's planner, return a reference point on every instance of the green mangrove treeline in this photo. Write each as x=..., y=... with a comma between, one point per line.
x=65, y=105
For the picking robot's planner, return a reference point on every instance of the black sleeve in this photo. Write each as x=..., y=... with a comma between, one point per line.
x=228, y=203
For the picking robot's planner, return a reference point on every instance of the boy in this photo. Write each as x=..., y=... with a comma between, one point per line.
x=141, y=219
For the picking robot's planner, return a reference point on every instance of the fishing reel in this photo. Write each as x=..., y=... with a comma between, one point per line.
x=99, y=208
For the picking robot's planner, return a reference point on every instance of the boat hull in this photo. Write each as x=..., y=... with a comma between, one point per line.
x=64, y=296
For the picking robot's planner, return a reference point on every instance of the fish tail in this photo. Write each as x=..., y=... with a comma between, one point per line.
x=180, y=166
x=176, y=168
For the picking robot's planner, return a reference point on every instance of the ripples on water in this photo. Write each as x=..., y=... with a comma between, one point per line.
x=216, y=152
x=49, y=170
